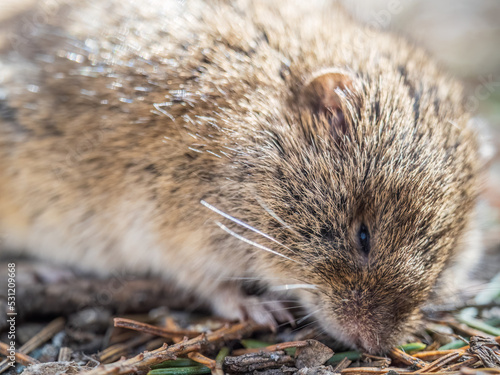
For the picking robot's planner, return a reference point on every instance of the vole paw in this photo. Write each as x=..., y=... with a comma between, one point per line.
x=265, y=310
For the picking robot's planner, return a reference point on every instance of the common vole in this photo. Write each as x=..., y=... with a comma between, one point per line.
x=214, y=142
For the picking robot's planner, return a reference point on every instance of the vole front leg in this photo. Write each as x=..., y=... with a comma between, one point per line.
x=230, y=301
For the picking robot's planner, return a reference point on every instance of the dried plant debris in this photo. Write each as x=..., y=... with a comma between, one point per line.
x=484, y=349
x=161, y=342
x=52, y=368
x=248, y=363
x=312, y=355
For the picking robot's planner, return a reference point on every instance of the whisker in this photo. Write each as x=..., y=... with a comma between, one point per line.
x=292, y=286
x=284, y=324
x=321, y=332
x=252, y=278
x=246, y=240
x=480, y=288
x=286, y=308
x=280, y=300
x=304, y=326
x=243, y=224
x=300, y=320
x=274, y=215
x=307, y=316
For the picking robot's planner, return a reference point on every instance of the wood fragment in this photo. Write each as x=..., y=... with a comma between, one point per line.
x=21, y=358
x=171, y=325
x=372, y=370
x=466, y=363
x=40, y=338
x=312, y=355
x=189, y=370
x=407, y=359
x=144, y=360
x=155, y=343
x=456, y=344
x=479, y=371
x=481, y=347
x=435, y=354
x=283, y=370
x=345, y=363
x=200, y=358
x=286, y=345
x=64, y=354
x=248, y=363
x=153, y=330
x=271, y=348
x=440, y=362
x=114, y=352
x=55, y=326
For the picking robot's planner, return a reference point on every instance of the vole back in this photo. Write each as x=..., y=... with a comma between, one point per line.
x=214, y=142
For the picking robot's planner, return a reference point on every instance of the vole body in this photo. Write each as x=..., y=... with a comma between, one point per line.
x=199, y=140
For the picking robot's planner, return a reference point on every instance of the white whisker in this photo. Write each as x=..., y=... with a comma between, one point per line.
x=252, y=278
x=292, y=286
x=284, y=324
x=304, y=326
x=481, y=288
x=286, y=308
x=259, y=246
x=278, y=300
x=307, y=316
x=321, y=332
x=243, y=224
x=273, y=214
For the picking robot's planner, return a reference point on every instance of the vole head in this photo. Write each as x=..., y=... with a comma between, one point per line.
x=371, y=187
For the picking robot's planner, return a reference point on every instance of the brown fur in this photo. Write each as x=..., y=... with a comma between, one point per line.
x=94, y=173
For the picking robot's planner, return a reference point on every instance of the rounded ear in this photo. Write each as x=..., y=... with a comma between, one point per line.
x=326, y=94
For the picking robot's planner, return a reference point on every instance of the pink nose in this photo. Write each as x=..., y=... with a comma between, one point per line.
x=369, y=342
x=368, y=334
x=369, y=321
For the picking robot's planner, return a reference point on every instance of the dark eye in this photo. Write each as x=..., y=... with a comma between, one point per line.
x=364, y=238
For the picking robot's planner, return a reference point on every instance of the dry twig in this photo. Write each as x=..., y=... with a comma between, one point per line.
x=145, y=360
x=41, y=337
x=440, y=362
x=248, y=363
x=200, y=358
x=21, y=358
x=153, y=330
x=406, y=358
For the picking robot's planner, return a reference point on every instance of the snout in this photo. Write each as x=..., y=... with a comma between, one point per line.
x=373, y=324
x=369, y=337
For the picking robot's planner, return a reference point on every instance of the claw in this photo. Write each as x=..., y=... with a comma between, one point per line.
x=265, y=309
